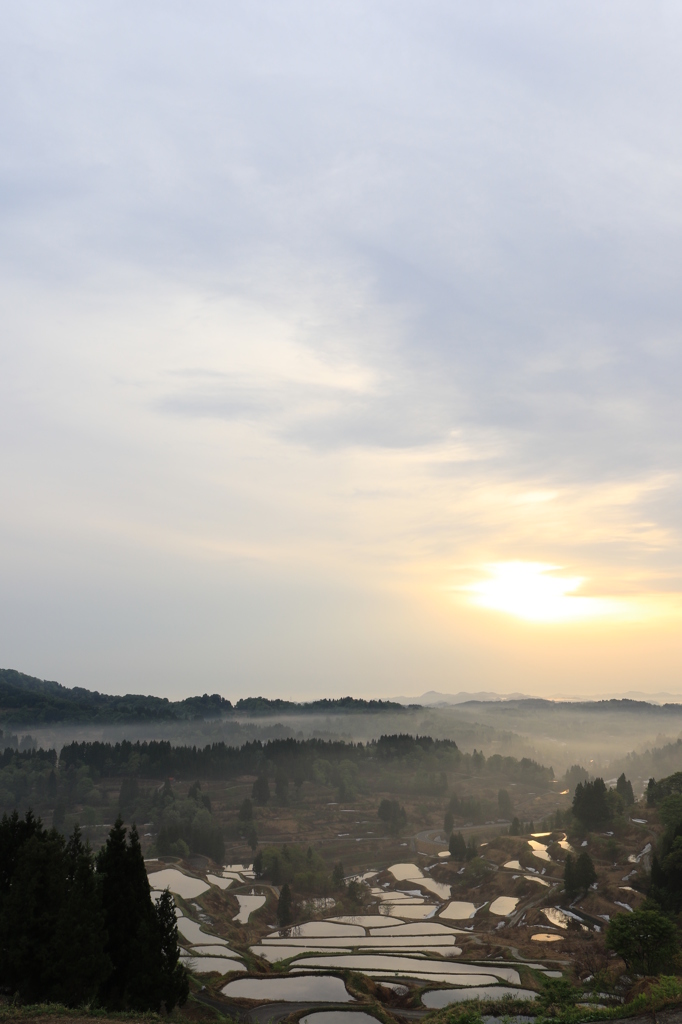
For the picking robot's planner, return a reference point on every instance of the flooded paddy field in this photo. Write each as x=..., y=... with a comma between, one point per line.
x=423, y=930
x=442, y=958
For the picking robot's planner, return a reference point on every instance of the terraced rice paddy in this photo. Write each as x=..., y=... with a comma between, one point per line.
x=333, y=936
x=407, y=966
x=445, y=997
x=207, y=964
x=556, y=917
x=306, y=989
x=195, y=935
x=184, y=885
x=220, y=881
x=404, y=941
x=503, y=906
x=247, y=906
x=458, y=911
x=338, y=1017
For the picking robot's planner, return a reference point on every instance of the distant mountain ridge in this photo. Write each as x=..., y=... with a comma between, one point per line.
x=26, y=700
x=433, y=698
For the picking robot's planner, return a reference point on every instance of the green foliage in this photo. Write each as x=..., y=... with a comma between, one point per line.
x=284, y=910
x=349, y=767
x=462, y=1013
x=476, y=870
x=579, y=874
x=186, y=825
x=515, y=828
x=338, y=874
x=292, y=865
x=28, y=779
x=666, y=868
x=645, y=939
x=590, y=803
x=393, y=815
x=557, y=996
x=658, y=791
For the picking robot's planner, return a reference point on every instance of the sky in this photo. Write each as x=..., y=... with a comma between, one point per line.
x=340, y=347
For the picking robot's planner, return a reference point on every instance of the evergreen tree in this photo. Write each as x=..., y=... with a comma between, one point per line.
x=624, y=790
x=457, y=846
x=585, y=875
x=51, y=934
x=251, y=838
x=260, y=791
x=338, y=875
x=504, y=803
x=81, y=963
x=126, y=905
x=515, y=829
x=29, y=916
x=448, y=822
x=143, y=975
x=174, y=981
x=590, y=803
x=570, y=883
x=246, y=810
x=392, y=814
x=284, y=915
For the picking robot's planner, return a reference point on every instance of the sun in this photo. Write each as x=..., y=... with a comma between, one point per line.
x=529, y=590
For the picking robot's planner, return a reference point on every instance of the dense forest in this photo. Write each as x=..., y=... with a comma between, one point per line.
x=74, y=786
x=76, y=928
x=25, y=700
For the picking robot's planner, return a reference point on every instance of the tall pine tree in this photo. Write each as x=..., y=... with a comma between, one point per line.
x=146, y=972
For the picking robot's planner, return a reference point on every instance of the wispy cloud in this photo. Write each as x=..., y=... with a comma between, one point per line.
x=339, y=302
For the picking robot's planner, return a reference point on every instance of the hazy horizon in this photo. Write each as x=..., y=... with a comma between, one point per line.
x=341, y=347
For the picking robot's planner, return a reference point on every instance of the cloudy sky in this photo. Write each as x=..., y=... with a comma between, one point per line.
x=340, y=345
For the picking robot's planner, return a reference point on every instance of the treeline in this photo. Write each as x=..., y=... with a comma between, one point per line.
x=662, y=761
x=26, y=700
x=76, y=929
x=159, y=759
x=656, y=792
x=666, y=867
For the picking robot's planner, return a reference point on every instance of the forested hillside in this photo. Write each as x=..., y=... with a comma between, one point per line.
x=26, y=701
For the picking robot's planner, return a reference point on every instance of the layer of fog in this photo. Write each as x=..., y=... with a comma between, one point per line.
x=559, y=736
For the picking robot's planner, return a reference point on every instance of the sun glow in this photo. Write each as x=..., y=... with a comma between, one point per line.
x=528, y=590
